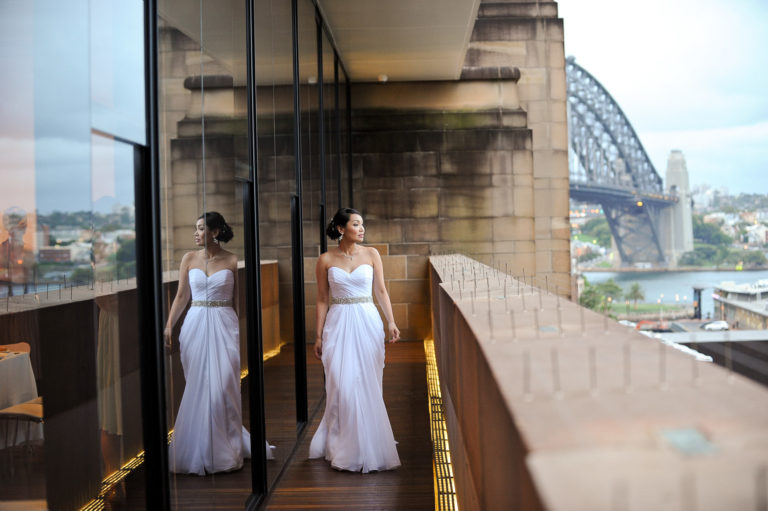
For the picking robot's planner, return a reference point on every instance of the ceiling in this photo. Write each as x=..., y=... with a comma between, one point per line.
x=403, y=39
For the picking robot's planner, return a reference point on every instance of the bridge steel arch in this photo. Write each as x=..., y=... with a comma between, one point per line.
x=609, y=166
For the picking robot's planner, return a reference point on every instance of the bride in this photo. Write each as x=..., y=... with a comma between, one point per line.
x=208, y=435
x=355, y=433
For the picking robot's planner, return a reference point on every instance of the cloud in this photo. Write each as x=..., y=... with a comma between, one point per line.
x=688, y=74
x=735, y=157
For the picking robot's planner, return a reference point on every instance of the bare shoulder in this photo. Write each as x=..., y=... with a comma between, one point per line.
x=373, y=253
x=188, y=259
x=324, y=260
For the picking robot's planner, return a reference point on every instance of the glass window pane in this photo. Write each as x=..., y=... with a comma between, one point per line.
x=277, y=183
x=68, y=259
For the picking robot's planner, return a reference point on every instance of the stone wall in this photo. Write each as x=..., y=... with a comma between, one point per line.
x=529, y=36
x=448, y=170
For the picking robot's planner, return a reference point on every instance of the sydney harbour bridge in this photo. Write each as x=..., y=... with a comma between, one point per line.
x=609, y=166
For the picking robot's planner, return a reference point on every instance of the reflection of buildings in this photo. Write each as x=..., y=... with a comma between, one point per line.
x=743, y=305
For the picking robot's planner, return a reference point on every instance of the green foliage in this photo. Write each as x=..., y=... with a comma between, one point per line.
x=597, y=229
x=126, y=258
x=82, y=275
x=709, y=234
x=710, y=255
x=590, y=297
x=635, y=293
x=588, y=256
x=753, y=258
x=610, y=289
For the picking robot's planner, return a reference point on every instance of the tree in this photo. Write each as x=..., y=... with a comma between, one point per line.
x=597, y=228
x=753, y=258
x=611, y=289
x=590, y=297
x=635, y=293
x=709, y=233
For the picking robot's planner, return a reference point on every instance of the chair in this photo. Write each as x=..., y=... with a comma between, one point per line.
x=30, y=412
x=21, y=347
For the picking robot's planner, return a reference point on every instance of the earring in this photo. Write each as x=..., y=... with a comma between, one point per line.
x=341, y=237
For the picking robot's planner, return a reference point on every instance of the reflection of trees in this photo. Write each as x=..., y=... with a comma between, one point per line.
x=125, y=258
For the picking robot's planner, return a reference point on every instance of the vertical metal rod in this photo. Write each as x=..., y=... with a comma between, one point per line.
x=541, y=303
x=297, y=252
x=321, y=129
x=149, y=279
x=522, y=297
x=556, y=372
x=348, y=90
x=337, y=126
x=627, y=367
x=536, y=321
x=253, y=305
x=526, y=375
x=593, y=369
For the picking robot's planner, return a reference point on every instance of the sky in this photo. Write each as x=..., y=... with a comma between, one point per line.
x=689, y=75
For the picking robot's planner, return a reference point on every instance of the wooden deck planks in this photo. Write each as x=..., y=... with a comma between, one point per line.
x=313, y=484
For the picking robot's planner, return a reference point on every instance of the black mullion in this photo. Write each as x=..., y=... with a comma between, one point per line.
x=337, y=125
x=299, y=341
x=149, y=281
x=349, y=141
x=254, y=340
x=321, y=130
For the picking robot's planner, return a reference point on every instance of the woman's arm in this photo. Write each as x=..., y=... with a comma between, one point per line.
x=235, y=293
x=380, y=290
x=321, y=307
x=180, y=300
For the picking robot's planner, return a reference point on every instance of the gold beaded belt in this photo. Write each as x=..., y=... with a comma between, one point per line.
x=352, y=299
x=211, y=303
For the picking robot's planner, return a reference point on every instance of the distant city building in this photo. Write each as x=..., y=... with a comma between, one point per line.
x=743, y=306
x=54, y=255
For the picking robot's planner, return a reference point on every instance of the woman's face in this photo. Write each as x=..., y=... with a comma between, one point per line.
x=203, y=236
x=354, y=230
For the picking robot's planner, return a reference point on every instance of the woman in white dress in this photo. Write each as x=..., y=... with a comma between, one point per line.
x=208, y=434
x=355, y=433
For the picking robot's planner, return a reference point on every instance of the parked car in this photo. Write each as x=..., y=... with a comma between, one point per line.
x=716, y=325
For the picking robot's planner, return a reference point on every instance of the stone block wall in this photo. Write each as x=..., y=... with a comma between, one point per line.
x=529, y=36
x=448, y=170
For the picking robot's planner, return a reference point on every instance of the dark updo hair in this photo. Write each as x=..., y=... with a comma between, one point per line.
x=214, y=221
x=340, y=219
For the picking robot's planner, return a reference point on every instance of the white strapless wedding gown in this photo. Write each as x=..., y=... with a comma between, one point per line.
x=355, y=433
x=209, y=435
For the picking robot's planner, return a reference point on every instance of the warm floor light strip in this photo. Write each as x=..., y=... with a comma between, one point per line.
x=445, y=490
x=109, y=482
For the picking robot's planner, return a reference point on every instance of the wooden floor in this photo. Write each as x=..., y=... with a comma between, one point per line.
x=313, y=484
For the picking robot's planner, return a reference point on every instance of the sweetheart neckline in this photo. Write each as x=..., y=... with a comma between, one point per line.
x=353, y=271
x=212, y=274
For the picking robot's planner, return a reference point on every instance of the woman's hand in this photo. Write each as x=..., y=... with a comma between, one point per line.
x=167, y=334
x=319, y=349
x=394, y=333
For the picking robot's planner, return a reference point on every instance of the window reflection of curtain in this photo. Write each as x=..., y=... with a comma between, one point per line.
x=108, y=381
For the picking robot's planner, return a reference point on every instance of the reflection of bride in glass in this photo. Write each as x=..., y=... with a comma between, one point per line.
x=209, y=435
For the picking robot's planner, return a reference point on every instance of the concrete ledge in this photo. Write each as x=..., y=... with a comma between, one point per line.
x=552, y=406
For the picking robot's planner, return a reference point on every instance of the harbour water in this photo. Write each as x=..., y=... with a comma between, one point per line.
x=677, y=287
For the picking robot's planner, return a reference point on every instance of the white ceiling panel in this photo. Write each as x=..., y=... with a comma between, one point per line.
x=402, y=39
